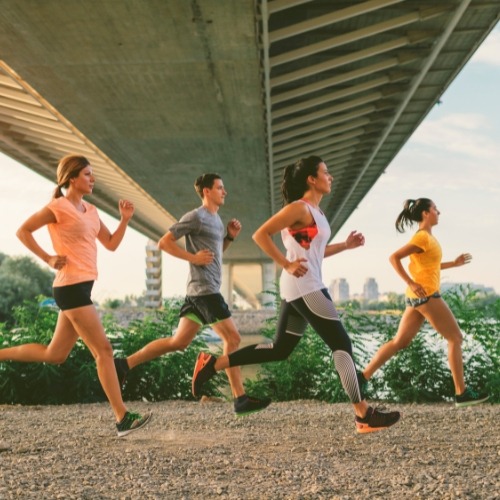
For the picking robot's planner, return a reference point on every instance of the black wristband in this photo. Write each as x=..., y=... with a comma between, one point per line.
x=227, y=237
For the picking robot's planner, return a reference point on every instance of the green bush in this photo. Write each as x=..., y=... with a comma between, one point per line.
x=21, y=278
x=75, y=381
x=419, y=373
x=480, y=321
x=39, y=383
x=166, y=377
x=309, y=372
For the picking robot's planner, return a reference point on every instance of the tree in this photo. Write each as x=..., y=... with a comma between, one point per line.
x=21, y=278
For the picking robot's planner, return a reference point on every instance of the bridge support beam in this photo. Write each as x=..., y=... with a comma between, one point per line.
x=268, y=284
x=227, y=285
x=250, y=281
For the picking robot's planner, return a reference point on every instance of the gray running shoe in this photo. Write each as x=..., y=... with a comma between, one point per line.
x=245, y=405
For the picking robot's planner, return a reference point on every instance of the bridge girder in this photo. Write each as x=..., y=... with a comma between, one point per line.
x=157, y=92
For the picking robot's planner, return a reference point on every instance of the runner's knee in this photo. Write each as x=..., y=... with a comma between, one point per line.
x=281, y=352
x=401, y=344
x=103, y=350
x=232, y=341
x=56, y=358
x=456, y=338
x=179, y=344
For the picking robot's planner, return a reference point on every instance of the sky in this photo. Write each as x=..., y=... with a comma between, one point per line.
x=452, y=158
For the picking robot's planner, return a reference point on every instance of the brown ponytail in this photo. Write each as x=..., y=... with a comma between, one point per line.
x=69, y=167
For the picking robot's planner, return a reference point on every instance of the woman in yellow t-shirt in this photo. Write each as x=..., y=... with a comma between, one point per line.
x=74, y=225
x=423, y=300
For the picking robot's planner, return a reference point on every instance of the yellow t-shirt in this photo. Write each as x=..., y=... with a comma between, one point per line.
x=425, y=267
x=74, y=235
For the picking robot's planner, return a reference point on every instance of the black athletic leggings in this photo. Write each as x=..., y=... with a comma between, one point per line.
x=318, y=310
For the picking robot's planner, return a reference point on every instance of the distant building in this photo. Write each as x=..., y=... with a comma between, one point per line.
x=370, y=290
x=153, y=275
x=339, y=289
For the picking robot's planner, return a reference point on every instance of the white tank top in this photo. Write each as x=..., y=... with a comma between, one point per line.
x=308, y=243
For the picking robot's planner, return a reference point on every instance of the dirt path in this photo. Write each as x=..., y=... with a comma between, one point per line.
x=296, y=450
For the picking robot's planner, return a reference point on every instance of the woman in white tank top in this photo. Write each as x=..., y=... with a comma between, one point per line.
x=305, y=232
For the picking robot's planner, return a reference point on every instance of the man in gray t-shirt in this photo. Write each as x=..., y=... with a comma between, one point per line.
x=203, y=230
x=206, y=240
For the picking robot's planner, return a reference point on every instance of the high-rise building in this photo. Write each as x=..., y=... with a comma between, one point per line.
x=153, y=275
x=339, y=289
x=370, y=290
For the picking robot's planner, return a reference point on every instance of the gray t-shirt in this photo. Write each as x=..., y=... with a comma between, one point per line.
x=202, y=230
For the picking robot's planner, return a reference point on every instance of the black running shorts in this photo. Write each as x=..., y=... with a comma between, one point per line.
x=205, y=309
x=418, y=301
x=73, y=296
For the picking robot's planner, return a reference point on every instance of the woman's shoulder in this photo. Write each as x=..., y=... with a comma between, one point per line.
x=421, y=234
x=296, y=214
x=89, y=206
x=423, y=239
x=56, y=201
x=57, y=204
x=298, y=206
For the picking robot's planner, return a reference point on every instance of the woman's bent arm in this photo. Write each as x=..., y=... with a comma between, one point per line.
x=25, y=234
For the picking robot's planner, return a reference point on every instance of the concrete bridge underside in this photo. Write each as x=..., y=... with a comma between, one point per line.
x=156, y=92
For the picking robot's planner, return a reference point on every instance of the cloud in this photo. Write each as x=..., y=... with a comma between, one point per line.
x=459, y=133
x=420, y=168
x=489, y=51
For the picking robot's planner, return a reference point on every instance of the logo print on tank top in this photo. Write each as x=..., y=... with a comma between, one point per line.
x=305, y=235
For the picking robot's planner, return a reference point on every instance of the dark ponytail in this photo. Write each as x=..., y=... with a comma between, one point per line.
x=412, y=212
x=294, y=183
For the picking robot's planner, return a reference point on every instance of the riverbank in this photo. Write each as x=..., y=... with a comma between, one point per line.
x=249, y=322
x=293, y=450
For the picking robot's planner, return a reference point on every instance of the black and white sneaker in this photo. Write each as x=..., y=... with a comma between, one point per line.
x=132, y=422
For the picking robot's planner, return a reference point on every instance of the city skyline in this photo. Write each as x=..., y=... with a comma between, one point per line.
x=340, y=290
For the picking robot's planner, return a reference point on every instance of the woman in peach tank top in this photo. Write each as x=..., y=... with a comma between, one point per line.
x=423, y=300
x=74, y=226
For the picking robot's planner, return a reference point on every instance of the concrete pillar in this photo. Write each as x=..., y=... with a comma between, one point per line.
x=268, y=284
x=227, y=284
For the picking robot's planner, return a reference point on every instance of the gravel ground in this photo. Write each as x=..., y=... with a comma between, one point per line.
x=295, y=450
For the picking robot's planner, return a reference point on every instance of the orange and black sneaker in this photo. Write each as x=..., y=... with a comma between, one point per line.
x=376, y=420
x=204, y=370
